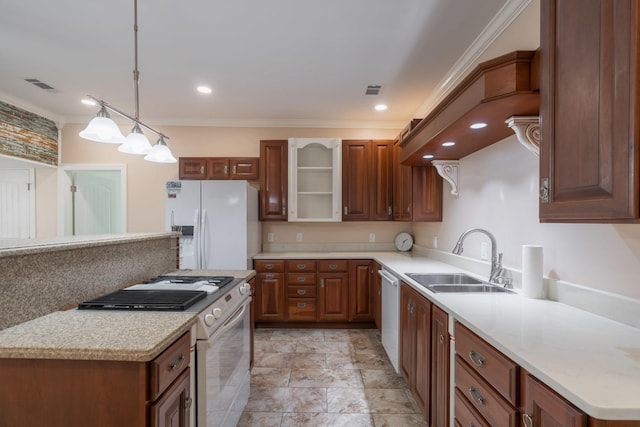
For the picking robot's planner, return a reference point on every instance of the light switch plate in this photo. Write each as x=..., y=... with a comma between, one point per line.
x=298, y=237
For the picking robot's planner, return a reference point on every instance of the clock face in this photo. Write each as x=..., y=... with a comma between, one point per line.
x=404, y=241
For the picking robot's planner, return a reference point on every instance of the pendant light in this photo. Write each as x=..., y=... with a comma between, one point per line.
x=103, y=129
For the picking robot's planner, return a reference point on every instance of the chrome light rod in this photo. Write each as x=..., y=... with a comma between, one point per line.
x=125, y=115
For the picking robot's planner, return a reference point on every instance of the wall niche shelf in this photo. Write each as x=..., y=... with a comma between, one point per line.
x=496, y=90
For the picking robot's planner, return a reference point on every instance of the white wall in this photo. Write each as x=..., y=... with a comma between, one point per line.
x=499, y=192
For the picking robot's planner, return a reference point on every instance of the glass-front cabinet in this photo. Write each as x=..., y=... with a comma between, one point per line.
x=315, y=182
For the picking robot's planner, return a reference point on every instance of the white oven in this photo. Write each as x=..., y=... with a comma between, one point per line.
x=222, y=370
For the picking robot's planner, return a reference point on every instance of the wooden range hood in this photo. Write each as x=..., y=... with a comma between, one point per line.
x=496, y=90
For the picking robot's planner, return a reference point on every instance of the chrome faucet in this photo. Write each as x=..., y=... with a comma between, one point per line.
x=496, y=258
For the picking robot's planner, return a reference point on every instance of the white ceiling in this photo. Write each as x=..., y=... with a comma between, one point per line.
x=267, y=61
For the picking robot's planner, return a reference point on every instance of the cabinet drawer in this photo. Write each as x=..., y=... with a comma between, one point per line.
x=301, y=278
x=499, y=371
x=301, y=291
x=331, y=265
x=302, y=309
x=465, y=414
x=301, y=265
x=266, y=266
x=482, y=397
x=169, y=364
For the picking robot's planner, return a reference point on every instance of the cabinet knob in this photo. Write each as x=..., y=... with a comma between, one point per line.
x=233, y=170
x=226, y=169
x=476, y=396
x=176, y=363
x=202, y=169
x=322, y=283
x=441, y=339
x=476, y=358
x=346, y=210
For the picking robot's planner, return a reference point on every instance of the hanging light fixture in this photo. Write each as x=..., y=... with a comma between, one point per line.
x=103, y=129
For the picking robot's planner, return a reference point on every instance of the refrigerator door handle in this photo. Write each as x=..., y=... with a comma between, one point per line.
x=196, y=239
x=203, y=242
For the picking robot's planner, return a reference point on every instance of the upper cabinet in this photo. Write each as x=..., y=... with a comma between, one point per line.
x=218, y=168
x=273, y=180
x=367, y=190
x=314, y=179
x=590, y=110
x=495, y=91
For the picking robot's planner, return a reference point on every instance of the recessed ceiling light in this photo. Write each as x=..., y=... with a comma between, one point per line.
x=204, y=89
x=478, y=125
x=428, y=156
x=89, y=102
x=380, y=107
x=448, y=144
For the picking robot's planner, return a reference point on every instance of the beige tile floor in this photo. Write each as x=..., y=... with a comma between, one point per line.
x=338, y=377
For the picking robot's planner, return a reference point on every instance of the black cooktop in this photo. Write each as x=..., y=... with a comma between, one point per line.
x=218, y=281
x=165, y=300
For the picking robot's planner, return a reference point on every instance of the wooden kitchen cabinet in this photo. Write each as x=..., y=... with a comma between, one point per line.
x=402, y=187
x=361, y=290
x=273, y=180
x=55, y=392
x=439, y=368
x=415, y=345
x=220, y=168
x=590, y=104
x=545, y=408
x=270, y=293
x=427, y=194
x=301, y=290
x=333, y=291
x=367, y=185
x=377, y=296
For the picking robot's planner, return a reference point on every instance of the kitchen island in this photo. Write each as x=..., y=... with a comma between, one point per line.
x=591, y=361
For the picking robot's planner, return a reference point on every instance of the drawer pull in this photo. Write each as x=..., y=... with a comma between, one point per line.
x=302, y=304
x=187, y=403
x=269, y=266
x=333, y=266
x=301, y=291
x=527, y=420
x=270, y=276
x=301, y=266
x=476, y=396
x=302, y=279
x=176, y=363
x=477, y=359
x=322, y=283
x=441, y=339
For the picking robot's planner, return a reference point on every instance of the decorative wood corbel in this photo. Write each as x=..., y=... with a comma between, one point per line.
x=448, y=170
x=527, y=129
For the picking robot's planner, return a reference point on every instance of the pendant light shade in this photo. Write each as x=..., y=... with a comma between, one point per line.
x=136, y=142
x=103, y=129
x=160, y=153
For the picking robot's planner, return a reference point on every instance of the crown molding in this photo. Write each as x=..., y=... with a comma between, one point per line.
x=505, y=16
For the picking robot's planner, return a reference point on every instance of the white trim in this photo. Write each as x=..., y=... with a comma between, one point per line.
x=62, y=171
x=505, y=16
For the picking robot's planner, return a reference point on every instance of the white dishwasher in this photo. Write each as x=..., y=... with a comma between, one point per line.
x=390, y=317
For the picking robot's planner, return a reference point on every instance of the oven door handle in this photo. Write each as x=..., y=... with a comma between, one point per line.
x=232, y=321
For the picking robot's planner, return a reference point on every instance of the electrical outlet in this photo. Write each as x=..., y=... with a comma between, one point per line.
x=269, y=237
x=372, y=237
x=484, y=251
x=298, y=237
x=434, y=242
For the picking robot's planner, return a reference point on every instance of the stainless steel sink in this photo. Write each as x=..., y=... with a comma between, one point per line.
x=455, y=282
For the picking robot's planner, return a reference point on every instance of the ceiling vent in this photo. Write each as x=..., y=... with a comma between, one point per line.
x=373, y=90
x=40, y=84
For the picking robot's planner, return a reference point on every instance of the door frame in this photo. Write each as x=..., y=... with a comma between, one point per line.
x=63, y=171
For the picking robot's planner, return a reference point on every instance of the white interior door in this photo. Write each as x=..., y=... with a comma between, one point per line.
x=96, y=202
x=17, y=201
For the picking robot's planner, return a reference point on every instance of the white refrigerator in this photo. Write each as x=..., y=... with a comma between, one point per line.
x=219, y=222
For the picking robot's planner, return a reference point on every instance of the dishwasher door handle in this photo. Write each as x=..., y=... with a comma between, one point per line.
x=388, y=277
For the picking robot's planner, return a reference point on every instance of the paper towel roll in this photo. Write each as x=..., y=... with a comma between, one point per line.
x=532, y=281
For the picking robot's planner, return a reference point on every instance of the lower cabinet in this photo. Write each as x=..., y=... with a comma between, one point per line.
x=439, y=368
x=270, y=296
x=377, y=296
x=360, y=290
x=53, y=392
x=333, y=296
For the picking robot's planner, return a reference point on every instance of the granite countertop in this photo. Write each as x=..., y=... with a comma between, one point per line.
x=592, y=361
x=10, y=247
x=95, y=335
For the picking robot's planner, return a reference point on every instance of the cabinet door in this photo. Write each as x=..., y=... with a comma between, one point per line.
x=360, y=290
x=172, y=409
x=407, y=334
x=243, y=168
x=270, y=297
x=422, y=374
x=273, y=180
x=382, y=172
x=377, y=296
x=440, y=368
x=589, y=109
x=544, y=408
x=427, y=194
x=333, y=294
x=218, y=168
x=192, y=168
x=401, y=188
x=356, y=180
